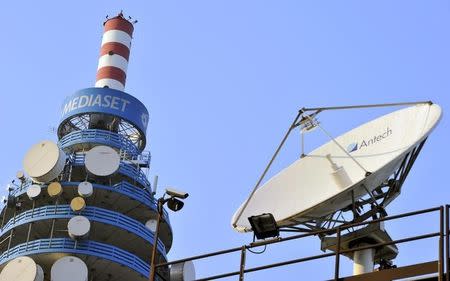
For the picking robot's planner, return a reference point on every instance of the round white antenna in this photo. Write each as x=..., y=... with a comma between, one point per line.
x=184, y=271
x=34, y=191
x=69, y=269
x=151, y=225
x=85, y=189
x=102, y=161
x=44, y=161
x=20, y=269
x=79, y=227
x=331, y=177
x=39, y=273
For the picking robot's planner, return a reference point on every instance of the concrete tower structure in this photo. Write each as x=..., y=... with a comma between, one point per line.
x=84, y=208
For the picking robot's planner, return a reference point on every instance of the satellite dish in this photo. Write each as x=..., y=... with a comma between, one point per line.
x=44, y=161
x=85, y=189
x=184, y=271
x=77, y=204
x=22, y=269
x=323, y=181
x=34, y=191
x=78, y=227
x=102, y=161
x=39, y=274
x=151, y=225
x=69, y=269
x=20, y=175
x=54, y=189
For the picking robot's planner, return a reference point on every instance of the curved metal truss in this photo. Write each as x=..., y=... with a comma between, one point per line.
x=118, y=125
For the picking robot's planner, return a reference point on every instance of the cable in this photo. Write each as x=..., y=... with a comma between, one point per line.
x=257, y=253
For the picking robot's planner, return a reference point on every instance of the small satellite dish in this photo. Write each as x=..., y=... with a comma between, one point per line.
x=20, y=175
x=69, y=269
x=44, y=161
x=78, y=227
x=54, y=189
x=328, y=178
x=34, y=191
x=85, y=189
x=21, y=269
x=77, y=204
x=151, y=225
x=102, y=161
x=40, y=273
x=184, y=271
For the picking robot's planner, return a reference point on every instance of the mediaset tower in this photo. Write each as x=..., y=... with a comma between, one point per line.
x=83, y=209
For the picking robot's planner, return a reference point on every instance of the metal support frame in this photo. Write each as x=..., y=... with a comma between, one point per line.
x=443, y=217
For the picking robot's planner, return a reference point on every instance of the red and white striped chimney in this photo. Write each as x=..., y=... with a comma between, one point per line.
x=114, y=53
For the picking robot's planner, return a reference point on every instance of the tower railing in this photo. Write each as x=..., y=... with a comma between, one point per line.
x=123, y=187
x=95, y=214
x=69, y=246
x=441, y=266
x=99, y=137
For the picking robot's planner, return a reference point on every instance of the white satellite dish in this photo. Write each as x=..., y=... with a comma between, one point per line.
x=22, y=269
x=85, y=189
x=102, y=161
x=323, y=181
x=69, y=269
x=184, y=271
x=34, y=191
x=151, y=225
x=44, y=161
x=39, y=274
x=78, y=227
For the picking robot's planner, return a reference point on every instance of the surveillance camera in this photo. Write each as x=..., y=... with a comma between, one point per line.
x=176, y=193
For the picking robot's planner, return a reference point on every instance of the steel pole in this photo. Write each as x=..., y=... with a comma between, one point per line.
x=242, y=265
x=447, y=241
x=338, y=254
x=441, y=244
x=155, y=241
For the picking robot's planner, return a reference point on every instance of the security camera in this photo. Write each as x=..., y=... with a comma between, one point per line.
x=176, y=193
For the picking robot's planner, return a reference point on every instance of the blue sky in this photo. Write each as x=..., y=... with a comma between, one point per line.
x=222, y=81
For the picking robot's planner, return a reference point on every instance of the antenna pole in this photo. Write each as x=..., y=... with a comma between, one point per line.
x=293, y=125
x=155, y=184
x=365, y=106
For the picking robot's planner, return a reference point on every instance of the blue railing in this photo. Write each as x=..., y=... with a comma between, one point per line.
x=92, y=213
x=123, y=187
x=66, y=245
x=129, y=170
x=99, y=137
